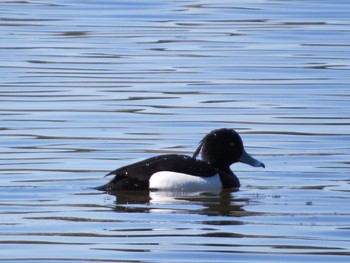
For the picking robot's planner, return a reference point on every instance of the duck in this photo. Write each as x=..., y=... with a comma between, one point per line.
x=219, y=149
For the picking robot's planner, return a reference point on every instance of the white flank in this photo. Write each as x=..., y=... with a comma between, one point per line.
x=184, y=182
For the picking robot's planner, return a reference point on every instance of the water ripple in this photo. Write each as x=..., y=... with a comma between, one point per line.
x=87, y=87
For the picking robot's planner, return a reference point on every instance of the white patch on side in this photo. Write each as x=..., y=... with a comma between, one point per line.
x=184, y=182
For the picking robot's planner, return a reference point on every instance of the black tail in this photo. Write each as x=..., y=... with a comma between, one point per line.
x=102, y=187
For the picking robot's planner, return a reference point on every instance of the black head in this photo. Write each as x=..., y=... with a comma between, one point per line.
x=224, y=147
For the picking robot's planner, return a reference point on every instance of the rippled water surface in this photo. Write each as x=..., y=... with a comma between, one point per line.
x=88, y=86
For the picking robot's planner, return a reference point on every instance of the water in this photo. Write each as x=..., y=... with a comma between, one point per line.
x=88, y=86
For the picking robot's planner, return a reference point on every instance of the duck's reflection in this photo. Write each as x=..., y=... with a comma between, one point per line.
x=222, y=203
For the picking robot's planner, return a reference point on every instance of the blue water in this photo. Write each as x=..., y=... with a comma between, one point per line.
x=89, y=86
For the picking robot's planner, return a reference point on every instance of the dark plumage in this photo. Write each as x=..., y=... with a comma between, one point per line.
x=219, y=149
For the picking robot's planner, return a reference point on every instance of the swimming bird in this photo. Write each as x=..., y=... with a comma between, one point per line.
x=174, y=172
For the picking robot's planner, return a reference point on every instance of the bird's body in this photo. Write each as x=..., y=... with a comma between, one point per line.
x=220, y=149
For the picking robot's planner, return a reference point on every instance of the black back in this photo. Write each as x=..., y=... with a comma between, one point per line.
x=136, y=176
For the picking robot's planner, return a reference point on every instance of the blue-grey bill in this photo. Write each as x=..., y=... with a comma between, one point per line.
x=247, y=159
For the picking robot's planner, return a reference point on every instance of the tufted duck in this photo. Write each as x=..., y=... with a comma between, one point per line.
x=219, y=149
